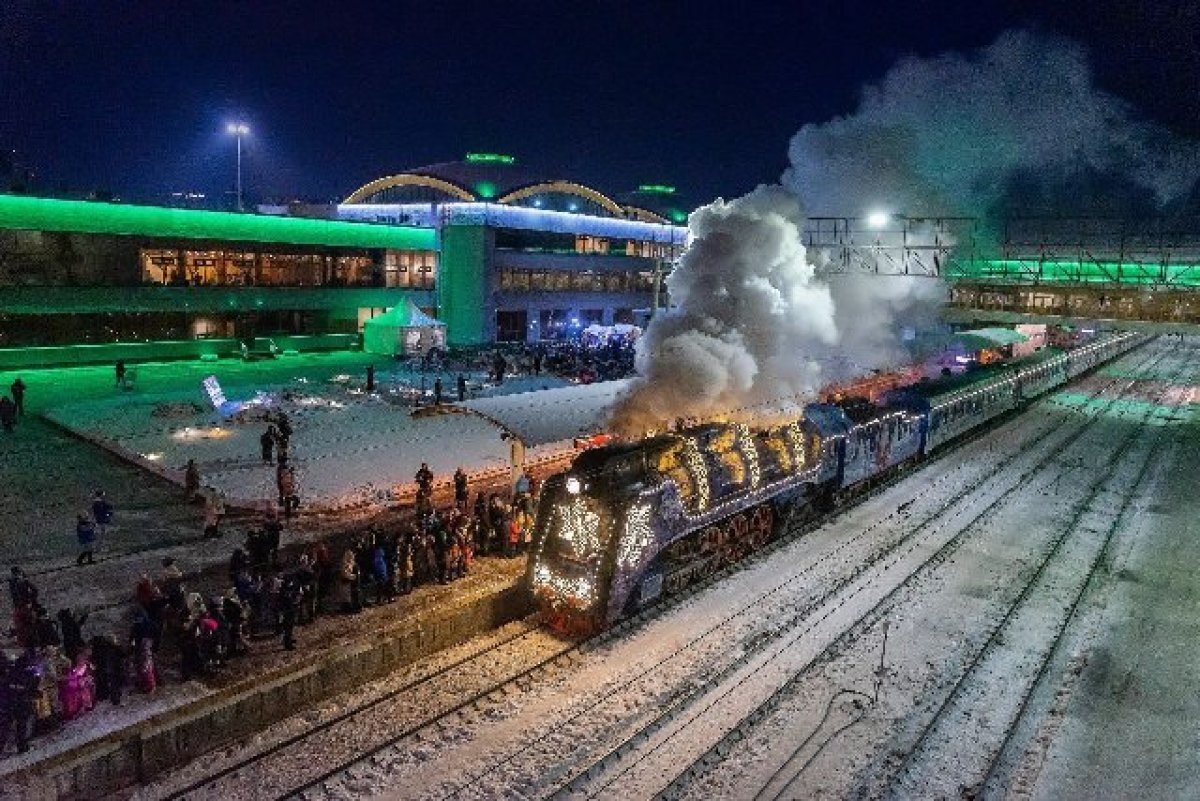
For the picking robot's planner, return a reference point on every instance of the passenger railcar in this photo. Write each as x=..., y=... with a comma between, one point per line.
x=631, y=524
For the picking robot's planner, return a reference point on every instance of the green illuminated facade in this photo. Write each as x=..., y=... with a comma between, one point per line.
x=74, y=216
x=76, y=273
x=1116, y=273
x=464, y=288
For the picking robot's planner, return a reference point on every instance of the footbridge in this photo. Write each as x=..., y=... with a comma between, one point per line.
x=1140, y=274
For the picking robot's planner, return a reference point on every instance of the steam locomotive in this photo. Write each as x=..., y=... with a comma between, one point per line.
x=631, y=524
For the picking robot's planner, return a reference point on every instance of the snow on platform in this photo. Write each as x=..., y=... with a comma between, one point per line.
x=350, y=447
x=554, y=415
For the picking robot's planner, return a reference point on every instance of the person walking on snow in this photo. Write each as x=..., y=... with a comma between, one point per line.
x=424, y=479
x=18, y=393
x=191, y=481
x=267, y=443
x=85, y=533
x=460, y=490
x=8, y=414
x=102, y=512
x=437, y=391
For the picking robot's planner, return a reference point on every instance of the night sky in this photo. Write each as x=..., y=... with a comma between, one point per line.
x=133, y=97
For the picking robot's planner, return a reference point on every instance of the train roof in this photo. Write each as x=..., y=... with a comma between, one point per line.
x=946, y=385
x=828, y=419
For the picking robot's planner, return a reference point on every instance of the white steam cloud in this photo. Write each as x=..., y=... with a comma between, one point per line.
x=753, y=326
x=1017, y=126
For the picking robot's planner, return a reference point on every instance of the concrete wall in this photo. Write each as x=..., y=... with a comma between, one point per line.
x=173, y=738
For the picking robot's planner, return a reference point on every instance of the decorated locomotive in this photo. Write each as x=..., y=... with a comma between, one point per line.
x=632, y=523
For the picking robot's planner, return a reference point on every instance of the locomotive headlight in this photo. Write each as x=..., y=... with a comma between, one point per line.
x=573, y=485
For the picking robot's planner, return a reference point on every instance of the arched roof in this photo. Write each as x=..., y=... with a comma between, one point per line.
x=568, y=188
x=365, y=191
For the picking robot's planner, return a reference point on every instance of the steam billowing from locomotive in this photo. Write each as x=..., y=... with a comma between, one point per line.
x=1015, y=127
x=753, y=326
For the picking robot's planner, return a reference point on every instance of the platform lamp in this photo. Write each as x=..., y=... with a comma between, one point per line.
x=239, y=129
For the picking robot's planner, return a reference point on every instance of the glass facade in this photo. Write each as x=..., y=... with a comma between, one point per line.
x=523, y=280
x=181, y=267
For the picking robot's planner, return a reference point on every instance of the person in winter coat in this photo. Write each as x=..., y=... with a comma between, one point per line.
x=214, y=508
x=267, y=444
x=513, y=525
x=424, y=479
x=308, y=582
x=85, y=535
x=462, y=388
x=77, y=687
x=272, y=531
x=170, y=583
x=47, y=706
x=109, y=660
x=437, y=391
x=404, y=565
x=8, y=414
x=18, y=395
x=21, y=683
x=191, y=481
x=144, y=638
x=285, y=482
x=379, y=569
x=460, y=490
x=102, y=512
x=71, y=627
x=348, y=582
x=480, y=524
x=291, y=597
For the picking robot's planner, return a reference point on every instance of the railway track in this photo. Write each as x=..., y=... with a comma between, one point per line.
x=782, y=781
x=931, y=735
x=741, y=727
x=314, y=786
x=276, y=762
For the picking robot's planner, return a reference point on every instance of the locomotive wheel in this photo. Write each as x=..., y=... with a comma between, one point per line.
x=762, y=523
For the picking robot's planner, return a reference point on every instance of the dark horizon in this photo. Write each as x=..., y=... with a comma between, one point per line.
x=133, y=99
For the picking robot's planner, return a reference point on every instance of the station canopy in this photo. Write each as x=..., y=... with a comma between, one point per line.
x=550, y=415
x=985, y=338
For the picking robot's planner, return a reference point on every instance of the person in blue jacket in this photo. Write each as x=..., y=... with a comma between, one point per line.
x=85, y=532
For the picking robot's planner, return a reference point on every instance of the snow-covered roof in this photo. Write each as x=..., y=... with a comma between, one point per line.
x=550, y=415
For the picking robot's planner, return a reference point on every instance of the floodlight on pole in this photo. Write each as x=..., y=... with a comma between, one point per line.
x=238, y=129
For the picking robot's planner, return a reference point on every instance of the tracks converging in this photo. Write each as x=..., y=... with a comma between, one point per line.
x=782, y=781
x=770, y=643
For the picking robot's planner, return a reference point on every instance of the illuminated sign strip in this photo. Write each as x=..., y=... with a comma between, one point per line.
x=520, y=217
x=78, y=216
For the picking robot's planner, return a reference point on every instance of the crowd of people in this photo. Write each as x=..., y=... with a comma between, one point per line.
x=175, y=630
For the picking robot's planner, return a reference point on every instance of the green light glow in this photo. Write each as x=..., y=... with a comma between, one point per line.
x=485, y=189
x=490, y=158
x=678, y=216
x=462, y=277
x=1078, y=272
x=657, y=189
x=76, y=216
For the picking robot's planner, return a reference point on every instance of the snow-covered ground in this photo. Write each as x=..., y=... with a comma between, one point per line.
x=972, y=565
x=350, y=447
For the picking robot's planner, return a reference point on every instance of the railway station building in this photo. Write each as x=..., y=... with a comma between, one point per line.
x=494, y=252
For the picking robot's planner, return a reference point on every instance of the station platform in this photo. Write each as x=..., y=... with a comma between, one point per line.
x=112, y=748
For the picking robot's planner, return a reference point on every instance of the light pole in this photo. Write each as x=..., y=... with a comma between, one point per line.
x=239, y=129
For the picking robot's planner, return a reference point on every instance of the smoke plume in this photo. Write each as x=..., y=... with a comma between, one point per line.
x=1016, y=127
x=753, y=326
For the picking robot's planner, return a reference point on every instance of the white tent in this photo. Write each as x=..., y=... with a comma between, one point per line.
x=403, y=330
